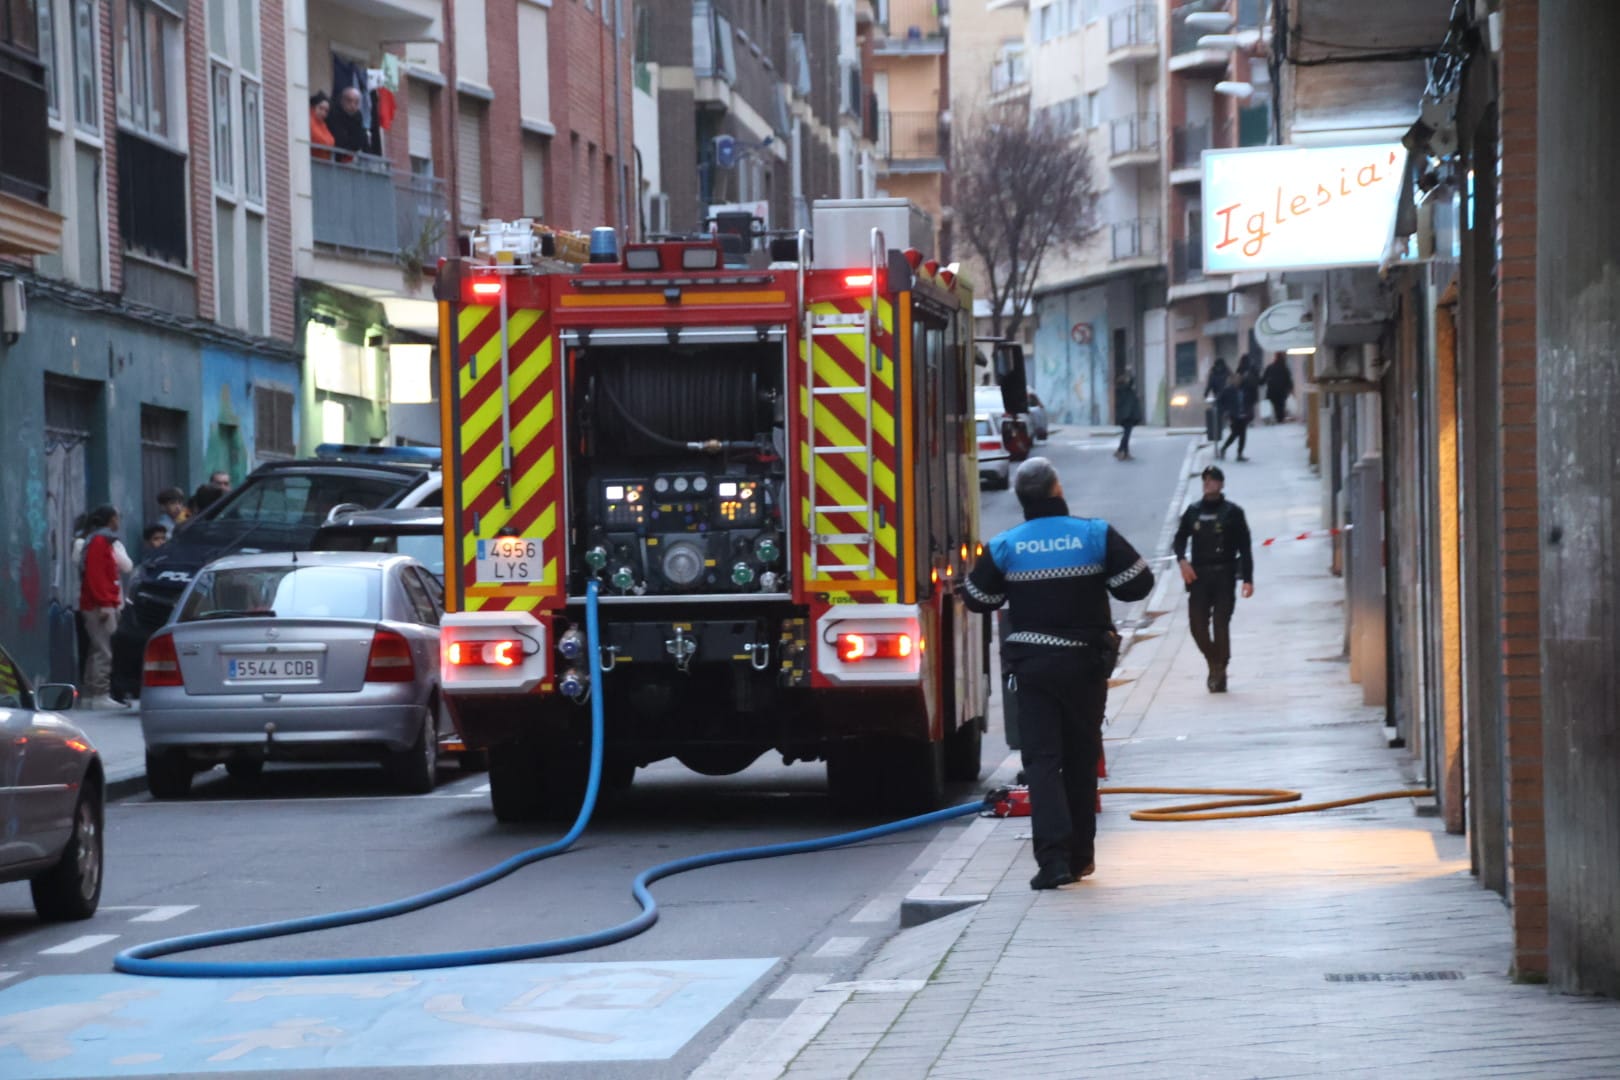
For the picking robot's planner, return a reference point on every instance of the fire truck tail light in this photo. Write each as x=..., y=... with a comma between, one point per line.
x=853, y=648
x=505, y=653
x=858, y=281
x=486, y=289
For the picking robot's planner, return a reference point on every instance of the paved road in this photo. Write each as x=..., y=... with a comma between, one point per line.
x=729, y=946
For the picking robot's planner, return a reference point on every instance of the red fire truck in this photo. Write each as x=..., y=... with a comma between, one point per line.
x=768, y=466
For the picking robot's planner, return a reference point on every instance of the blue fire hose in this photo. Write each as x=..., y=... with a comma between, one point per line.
x=147, y=959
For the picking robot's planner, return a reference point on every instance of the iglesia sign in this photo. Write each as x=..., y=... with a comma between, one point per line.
x=1297, y=208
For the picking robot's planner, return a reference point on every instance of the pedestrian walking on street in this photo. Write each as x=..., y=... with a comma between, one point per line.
x=1221, y=557
x=1279, y=383
x=1219, y=376
x=1127, y=412
x=102, y=566
x=1056, y=573
x=1238, y=402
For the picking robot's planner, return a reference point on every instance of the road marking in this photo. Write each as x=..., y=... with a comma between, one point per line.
x=764, y=1053
x=502, y=1014
x=841, y=946
x=78, y=945
x=730, y=1056
x=883, y=909
x=165, y=913
x=798, y=987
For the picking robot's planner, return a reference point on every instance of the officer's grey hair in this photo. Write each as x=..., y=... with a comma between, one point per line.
x=1037, y=478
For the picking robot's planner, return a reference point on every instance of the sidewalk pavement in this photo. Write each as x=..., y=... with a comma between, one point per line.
x=1351, y=942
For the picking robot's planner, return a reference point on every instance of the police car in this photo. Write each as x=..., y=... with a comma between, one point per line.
x=281, y=506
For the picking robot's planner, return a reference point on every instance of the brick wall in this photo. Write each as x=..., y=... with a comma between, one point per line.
x=200, y=161
x=581, y=70
x=503, y=161
x=1520, y=584
x=278, y=148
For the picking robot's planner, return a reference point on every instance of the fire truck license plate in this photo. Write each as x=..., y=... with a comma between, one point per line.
x=508, y=560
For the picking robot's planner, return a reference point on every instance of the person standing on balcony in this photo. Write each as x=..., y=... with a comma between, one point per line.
x=348, y=124
x=320, y=136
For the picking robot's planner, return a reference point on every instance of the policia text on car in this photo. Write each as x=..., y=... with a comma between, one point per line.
x=1056, y=572
x=1221, y=557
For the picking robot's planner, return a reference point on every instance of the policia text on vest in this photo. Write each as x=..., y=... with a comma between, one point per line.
x=1221, y=556
x=1056, y=573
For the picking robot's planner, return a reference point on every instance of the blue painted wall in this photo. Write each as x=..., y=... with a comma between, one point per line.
x=1071, y=377
x=124, y=362
x=229, y=428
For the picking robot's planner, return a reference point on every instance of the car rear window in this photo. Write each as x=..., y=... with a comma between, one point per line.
x=286, y=592
x=308, y=498
x=986, y=428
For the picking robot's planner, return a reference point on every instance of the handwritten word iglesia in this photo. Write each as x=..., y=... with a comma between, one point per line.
x=1251, y=222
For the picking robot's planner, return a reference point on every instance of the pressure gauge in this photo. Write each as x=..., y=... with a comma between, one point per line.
x=680, y=485
x=661, y=484
x=700, y=484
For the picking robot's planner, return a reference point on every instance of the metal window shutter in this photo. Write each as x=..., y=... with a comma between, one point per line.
x=470, y=162
x=419, y=120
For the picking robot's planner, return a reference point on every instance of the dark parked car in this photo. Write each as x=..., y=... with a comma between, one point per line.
x=279, y=507
x=414, y=531
x=51, y=792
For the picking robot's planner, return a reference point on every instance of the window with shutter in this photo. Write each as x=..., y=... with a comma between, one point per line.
x=273, y=423
x=470, y=162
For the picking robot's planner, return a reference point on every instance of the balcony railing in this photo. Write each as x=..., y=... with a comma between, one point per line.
x=25, y=167
x=1136, y=239
x=911, y=20
x=1188, y=262
x=369, y=208
x=1184, y=38
x=1133, y=27
x=152, y=198
x=912, y=137
x=1134, y=134
x=1189, y=142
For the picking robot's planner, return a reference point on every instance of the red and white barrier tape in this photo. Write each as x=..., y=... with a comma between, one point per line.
x=1312, y=534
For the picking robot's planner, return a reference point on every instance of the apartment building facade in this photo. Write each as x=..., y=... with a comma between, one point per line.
x=907, y=52
x=480, y=109
x=147, y=251
x=1217, y=96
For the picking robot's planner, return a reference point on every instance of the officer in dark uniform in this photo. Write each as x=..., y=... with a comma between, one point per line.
x=1056, y=572
x=1221, y=557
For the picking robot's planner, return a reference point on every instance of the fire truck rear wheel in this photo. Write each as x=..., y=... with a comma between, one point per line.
x=515, y=789
x=963, y=751
x=903, y=776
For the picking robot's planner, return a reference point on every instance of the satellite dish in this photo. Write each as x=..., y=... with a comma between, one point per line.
x=1285, y=326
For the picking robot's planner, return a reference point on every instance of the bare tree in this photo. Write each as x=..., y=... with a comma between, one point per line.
x=1021, y=191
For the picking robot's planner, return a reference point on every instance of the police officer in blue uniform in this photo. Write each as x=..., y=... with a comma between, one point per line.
x=1221, y=556
x=1056, y=572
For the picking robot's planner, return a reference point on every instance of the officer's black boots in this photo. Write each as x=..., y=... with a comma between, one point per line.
x=1052, y=877
x=1217, y=679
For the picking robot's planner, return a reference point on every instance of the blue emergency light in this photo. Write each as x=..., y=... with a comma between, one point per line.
x=604, y=245
x=404, y=455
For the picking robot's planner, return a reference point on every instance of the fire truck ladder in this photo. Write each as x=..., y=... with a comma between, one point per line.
x=860, y=396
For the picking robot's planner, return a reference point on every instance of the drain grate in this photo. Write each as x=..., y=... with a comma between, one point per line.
x=1392, y=976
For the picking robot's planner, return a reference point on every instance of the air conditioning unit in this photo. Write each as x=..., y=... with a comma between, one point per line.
x=1242, y=303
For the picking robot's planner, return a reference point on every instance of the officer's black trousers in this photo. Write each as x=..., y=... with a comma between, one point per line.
x=1210, y=600
x=1061, y=697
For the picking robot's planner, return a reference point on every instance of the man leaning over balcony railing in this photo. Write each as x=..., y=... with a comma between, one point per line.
x=348, y=124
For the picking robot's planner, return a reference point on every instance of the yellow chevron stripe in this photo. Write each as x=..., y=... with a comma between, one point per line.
x=489, y=414
x=525, y=488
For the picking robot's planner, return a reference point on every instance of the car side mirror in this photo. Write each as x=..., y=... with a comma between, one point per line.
x=56, y=697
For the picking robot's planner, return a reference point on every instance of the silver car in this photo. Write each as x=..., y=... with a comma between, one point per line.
x=51, y=791
x=297, y=656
